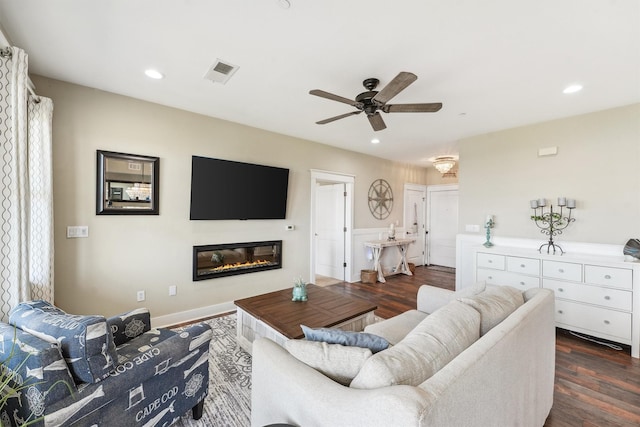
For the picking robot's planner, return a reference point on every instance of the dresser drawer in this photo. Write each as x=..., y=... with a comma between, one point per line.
x=611, y=298
x=599, y=321
x=491, y=261
x=609, y=276
x=523, y=265
x=505, y=278
x=562, y=270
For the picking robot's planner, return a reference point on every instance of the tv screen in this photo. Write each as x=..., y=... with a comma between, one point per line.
x=224, y=189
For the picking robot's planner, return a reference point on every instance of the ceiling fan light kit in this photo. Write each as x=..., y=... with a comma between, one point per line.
x=372, y=102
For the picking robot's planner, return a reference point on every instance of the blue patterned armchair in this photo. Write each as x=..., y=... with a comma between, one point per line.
x=91, y=371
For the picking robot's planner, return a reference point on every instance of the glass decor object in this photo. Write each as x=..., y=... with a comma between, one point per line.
x=552, y=223
x=489, y=224
x=299, y=290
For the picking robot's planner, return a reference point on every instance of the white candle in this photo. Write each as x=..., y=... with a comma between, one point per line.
x=534, y=204
x=571, y=203
x=542, y=203
x=562, y=201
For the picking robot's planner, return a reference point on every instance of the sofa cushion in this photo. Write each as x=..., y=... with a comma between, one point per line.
x=397, y=327
x=338, y=362
x=348, y=338
x=85, y=341
x=437, y=340
x=494, y=305
x=127, y=326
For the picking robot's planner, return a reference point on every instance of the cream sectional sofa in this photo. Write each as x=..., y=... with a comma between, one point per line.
x=455, y=361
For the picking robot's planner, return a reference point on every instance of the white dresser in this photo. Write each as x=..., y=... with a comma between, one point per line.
x=595, y=295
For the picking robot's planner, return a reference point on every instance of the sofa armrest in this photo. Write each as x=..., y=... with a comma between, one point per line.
x=285, y=390
x=430, y=298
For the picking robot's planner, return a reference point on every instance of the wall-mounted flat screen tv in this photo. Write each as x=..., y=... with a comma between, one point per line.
x=224, y=189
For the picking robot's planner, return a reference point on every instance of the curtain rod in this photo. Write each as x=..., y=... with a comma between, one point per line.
x=6, y=53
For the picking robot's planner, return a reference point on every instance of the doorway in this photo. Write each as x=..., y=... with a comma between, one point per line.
x=331, y=225
x=442, y=224
x=415, y=197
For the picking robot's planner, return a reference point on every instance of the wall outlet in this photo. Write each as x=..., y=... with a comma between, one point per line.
x=173, y=290
x=140, y=296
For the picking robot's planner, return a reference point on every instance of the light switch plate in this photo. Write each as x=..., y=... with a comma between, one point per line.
x=76, y=231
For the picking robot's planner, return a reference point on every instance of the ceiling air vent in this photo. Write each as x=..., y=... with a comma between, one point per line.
x=221, y=71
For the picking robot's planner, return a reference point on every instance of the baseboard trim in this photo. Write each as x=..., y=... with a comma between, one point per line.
x=192, y=315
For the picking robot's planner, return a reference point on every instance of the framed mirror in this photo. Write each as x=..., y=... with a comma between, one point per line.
x=127, y=184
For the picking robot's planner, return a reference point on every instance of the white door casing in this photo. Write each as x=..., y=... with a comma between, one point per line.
x=442, y=224
x=415, y=197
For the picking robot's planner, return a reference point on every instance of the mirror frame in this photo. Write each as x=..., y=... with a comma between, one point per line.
x=101, y=208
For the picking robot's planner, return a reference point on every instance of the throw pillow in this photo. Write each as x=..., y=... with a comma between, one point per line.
x=338, y=362
x=127, y=326
x=85, y=341
x=494, y=305
x=354, y=339
x=437, y=340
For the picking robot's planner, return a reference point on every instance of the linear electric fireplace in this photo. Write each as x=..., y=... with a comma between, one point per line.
x=212, y=261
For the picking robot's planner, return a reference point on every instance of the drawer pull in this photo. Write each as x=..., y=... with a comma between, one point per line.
x=561, y=270
x=490, y=261
x=607, y=297
x=606, y=322
x=560, y=290
x=606, y=276
x=522, y=283
x=522, y=265
x=491, y=277
x=559, y=311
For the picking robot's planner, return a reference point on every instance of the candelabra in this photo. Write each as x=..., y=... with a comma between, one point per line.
x=552, y=223
x=488, y=225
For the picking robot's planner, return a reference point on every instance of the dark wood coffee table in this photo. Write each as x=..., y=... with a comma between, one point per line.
x=275, y=316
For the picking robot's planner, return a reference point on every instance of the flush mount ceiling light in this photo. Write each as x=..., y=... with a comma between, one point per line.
x=153, y=74
x=572, y=88
x=444, y=163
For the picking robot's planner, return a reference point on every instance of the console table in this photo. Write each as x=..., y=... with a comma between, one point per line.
x=595, y=295
x=377, y=247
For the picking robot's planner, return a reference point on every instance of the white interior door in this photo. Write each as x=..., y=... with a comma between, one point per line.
x=414, y=204
x=330, y=226
x=442, y=217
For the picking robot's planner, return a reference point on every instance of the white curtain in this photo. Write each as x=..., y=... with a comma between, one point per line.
x=25, y=188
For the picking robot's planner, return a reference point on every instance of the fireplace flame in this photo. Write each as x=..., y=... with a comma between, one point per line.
x=239, y=265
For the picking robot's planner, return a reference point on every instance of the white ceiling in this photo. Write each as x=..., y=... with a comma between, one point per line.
x=494, y=64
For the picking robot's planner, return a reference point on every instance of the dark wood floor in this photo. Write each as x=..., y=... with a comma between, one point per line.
x=596, y=386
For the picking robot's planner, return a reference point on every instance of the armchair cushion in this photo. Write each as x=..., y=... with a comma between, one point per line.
x=85, y=341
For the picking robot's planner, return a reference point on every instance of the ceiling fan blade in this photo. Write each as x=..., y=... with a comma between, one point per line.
x=412, y=108
x=395, y=86
x=376, y=122
x=327, y=95
x=341, y=116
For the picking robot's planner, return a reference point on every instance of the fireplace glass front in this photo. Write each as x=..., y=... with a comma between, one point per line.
x=212, y=261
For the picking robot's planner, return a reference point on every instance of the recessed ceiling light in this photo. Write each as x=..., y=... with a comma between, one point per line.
x=285, y=4
x=572, y=88
x=375, y=141
x=154, y=74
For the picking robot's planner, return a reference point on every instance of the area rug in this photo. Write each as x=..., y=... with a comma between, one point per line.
x=229, y=401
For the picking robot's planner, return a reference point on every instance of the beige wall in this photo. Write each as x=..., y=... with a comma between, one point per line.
x=123, y=254
x=597, y=164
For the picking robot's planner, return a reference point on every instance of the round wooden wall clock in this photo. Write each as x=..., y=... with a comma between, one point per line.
x=380, y=199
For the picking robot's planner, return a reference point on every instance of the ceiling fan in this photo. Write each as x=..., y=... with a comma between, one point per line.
x=372, y=101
